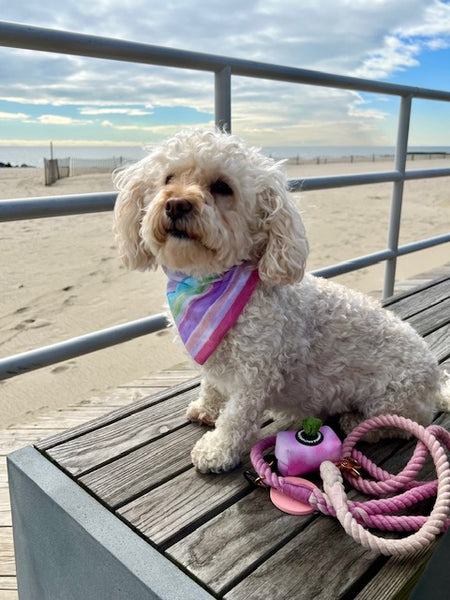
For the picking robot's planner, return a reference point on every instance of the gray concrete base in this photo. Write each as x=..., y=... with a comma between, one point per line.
x=69, y=547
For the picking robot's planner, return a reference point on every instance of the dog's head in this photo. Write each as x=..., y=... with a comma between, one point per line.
x=203, y=202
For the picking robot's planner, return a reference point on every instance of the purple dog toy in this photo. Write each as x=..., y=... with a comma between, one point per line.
x=303, y=451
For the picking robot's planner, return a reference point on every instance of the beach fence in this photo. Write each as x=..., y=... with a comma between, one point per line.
x=57, y=168
x=83, y=166
x=360, y=158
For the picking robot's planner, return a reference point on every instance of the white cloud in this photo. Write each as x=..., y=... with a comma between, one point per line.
x=131, y=112
x=60, y=120
x=155, y=130
x=394, y=55
x=424, y=25
x=67, y=142
x=6, y=116
x=435, y=21
x=437, y=44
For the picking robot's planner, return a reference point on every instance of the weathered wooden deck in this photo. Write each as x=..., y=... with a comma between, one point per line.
x=53, y=422
x=135, y=460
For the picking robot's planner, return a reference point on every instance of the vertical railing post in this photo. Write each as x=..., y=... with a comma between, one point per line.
x=222, y=97
x=401, y=152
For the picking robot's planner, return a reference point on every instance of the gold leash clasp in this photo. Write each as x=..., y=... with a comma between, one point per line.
x=350, y=466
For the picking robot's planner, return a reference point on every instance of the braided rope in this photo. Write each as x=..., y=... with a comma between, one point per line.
x=356, y=517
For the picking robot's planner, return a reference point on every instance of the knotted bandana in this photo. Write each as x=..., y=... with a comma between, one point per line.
x=205, y=309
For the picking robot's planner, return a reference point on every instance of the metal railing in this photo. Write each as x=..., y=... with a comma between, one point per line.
x=224, y=68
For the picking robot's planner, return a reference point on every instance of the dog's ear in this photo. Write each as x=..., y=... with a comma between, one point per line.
x=128, y=213
x=286, y=250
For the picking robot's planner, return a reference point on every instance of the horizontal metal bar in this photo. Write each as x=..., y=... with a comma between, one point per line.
x=423, y=244
x=374, y=258
x=426, y=173
x=337, y=181
x=28, y=37
x=56, y=206
x=48, y=355
x=354, y=264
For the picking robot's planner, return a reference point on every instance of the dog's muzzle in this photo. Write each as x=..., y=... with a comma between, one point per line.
x=177, y=208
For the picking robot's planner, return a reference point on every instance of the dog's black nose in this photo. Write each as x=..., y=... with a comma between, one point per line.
x=177, y=208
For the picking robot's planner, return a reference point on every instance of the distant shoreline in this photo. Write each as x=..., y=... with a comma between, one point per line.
x=8, y=165
x=292, y=159
x=34, y=155
x=352, y=158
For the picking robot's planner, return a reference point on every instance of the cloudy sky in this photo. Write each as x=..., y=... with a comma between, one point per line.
x=70, y=99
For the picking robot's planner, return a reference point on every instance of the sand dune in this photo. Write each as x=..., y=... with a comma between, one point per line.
x=61, y=277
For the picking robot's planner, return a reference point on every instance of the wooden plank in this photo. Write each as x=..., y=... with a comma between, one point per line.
x=106, y=443
x=438, y=341
x=445, y=365
x=414, y=302
x=124, y=411
x=3, y=471
x=8, y=594
x=398, y=577
x=7, y=565
x=8, y=583
x=63, y=419
x=121, y=396
x=428, y=320
x=237, y=539
x=13, y=439
x=136, y=473
x=170, y=509
x=167, y=511
x=434, y=278
x=321, y=562
x=5, y=509
x=164, y=379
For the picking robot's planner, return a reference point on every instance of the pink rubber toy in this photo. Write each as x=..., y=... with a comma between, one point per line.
x=290, y=505
x=303, y=451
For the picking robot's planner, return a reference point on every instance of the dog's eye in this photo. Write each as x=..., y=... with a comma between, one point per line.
x=168, y=179
x=221, y=188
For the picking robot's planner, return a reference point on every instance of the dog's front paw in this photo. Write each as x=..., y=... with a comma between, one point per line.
x=196, y=411
x=210, y=455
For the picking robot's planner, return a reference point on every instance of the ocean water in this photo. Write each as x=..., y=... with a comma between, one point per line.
x=34, y=155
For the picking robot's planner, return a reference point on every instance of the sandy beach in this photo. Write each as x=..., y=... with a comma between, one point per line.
x=61, y=277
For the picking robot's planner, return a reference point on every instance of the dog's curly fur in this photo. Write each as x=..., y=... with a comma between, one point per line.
x=302, y=345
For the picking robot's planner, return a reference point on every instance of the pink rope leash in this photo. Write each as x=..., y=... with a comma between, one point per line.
x=356, y=517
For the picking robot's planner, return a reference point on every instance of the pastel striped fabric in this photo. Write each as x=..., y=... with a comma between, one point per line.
x=205, y=309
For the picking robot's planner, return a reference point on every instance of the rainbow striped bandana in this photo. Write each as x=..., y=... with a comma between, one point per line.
x=204, y=310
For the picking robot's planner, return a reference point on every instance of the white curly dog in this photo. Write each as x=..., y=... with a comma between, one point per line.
x=203, y=204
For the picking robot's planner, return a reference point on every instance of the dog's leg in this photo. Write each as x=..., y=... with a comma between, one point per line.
x=205, y=409
x=236, y=428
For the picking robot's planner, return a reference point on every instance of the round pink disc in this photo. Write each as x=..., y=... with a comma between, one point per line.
x=288, y=504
